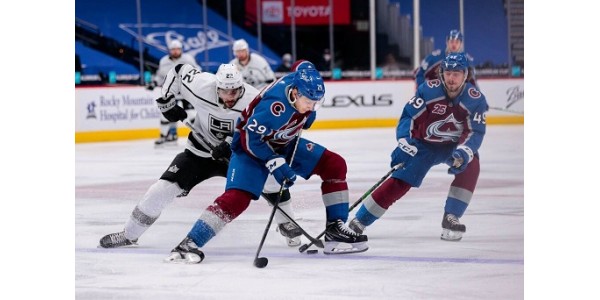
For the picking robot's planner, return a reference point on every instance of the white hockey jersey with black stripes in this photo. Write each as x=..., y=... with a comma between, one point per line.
x=213, y=122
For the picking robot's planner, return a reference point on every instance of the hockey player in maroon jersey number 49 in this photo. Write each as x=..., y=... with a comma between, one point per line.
x=443, y=123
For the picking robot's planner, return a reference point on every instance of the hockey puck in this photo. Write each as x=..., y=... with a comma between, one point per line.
x=312, y=251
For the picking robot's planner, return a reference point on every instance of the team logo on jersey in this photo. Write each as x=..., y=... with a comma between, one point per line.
x=277, y=108
x=434, y=83
x=447, y=130
x=220, y=128
x=173, y=169
x=474, y=93
x=287, y=134
x=310, y=147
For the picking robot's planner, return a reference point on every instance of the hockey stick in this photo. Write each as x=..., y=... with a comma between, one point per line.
x=507, y=110
x=357, y=202
x=261, y=262
x=317, y=242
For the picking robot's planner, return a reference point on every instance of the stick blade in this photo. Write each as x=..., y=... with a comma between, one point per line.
x=319, y=244
x=303, y=248
x=261, y=262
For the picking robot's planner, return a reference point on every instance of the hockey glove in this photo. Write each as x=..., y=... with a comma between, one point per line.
x=405, y=150
x=406, y=147
x=221, y=152
x=169, y=108
x=461, y=157
x=282, y=172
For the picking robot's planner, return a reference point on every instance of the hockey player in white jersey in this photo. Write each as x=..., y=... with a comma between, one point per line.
x=218, y=100
x=168, y=130
x=255, y=69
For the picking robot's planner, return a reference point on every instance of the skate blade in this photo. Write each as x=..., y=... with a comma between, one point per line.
x=449, y=235
x=117, y=247
x=132, y=245
x=188, y=258
x=344, y=248
x=165, y=145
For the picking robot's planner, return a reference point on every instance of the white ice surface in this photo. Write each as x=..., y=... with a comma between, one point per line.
x=406, y=258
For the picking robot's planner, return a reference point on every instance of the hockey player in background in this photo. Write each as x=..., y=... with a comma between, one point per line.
x=218, y=101
x=443, y=123
x=255, y=69
x=429, y=68
x=267, y=141
x=168, y=130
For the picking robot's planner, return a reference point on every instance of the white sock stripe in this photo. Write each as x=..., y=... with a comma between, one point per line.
x=213, y=220
x=336, y=198
x=461, y=194
x=374, y=208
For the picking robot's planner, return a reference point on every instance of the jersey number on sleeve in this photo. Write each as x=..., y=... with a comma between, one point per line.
x=416, y=102
x=190, y=75
x=479, y=118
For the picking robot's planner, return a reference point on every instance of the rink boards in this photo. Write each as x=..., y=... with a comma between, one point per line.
x=112, y=113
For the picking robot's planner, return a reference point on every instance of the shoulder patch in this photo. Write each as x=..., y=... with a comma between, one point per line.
x=277, y=108
x=474, y=93
x=434, y=83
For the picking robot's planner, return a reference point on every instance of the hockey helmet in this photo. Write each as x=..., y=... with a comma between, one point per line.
x=309, y=83
x=175, y=44
x=454, y=35
x=240, y=44
x=454, y=61
x=302, y=64
x=229, y=84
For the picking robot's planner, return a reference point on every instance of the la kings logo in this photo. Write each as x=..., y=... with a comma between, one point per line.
x=220, y=128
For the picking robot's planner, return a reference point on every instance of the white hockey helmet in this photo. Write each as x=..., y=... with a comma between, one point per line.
x=240, y=44
x=229, y=84
x=174, y=44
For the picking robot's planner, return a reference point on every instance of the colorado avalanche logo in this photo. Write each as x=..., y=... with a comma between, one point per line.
x=445, y=130
x=310, y=147
x=434, y=83
x=287, y=134
x=277, y=108
x=474, y=93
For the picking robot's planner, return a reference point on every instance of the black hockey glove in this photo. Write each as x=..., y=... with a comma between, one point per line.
x=221, y=152
x=169, y=108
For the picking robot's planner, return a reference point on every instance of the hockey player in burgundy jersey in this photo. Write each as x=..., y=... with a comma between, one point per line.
x=429, y=68
x=443, y=123
x=263, y=143
x=218, y=101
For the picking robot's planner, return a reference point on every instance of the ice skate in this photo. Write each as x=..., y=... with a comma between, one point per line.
x=452, y=230
x=115, y=240
x=291, y=232
x=339, y=239
x=357, y=226
x=187, y=252
x=168, y=140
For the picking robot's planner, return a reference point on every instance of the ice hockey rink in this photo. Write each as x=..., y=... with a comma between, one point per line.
x=406, y=258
